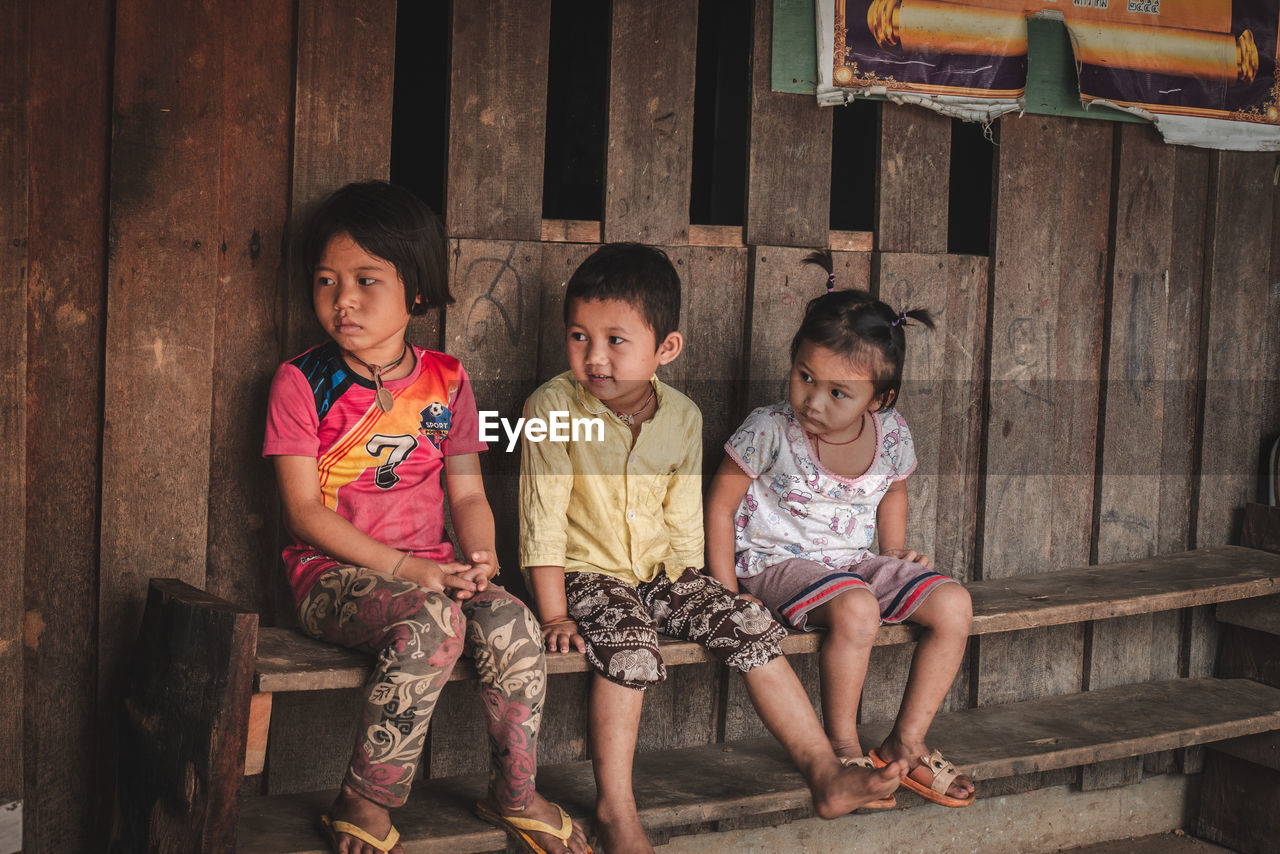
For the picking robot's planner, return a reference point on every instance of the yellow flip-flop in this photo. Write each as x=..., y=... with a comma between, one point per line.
x=516, y=826
x=333, y=828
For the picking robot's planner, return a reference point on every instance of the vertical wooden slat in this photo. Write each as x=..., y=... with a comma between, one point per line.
x=342, y=120
x=1044, y=363
x=648, y=163
x=493, y=329
x=914, y=171
x=1129, y=497
x=559, y=261
x=257, y=99
x=161, y=302
x=65, y=318
x=713, y=304
x=1236, y=346
x=15, y=129
x=788, y=155
x=498, y=118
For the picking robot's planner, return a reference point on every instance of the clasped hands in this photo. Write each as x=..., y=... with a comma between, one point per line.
x=453, y=578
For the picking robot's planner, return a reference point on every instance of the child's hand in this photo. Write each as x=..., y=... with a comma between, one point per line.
x=485, y=562
x=911, y=555
x=448, y=577
x=562, y=636
x=750, y=598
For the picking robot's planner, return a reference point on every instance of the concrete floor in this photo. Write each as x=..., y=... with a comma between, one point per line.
x=1176, y=842
x=1043, y=821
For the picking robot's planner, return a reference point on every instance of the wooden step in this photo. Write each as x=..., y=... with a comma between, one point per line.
x=730, y=781
x=287, y=661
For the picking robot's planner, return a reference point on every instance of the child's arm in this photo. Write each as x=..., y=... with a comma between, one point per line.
x=558, y=628
x=472, y=518
x=891, y=525
x=315, y=524
x=727, y=489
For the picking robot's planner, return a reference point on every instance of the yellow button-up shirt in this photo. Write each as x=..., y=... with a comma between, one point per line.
x=607, y=506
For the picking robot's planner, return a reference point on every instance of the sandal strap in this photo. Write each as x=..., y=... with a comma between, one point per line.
x=532, y=824
x=857, y=762
x=356, y=832
x=943, y=771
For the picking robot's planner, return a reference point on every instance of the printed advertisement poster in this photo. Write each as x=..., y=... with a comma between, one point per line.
x=1204, y=71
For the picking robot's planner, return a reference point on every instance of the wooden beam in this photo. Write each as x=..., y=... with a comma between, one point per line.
x=648, y=162
x=497, y=118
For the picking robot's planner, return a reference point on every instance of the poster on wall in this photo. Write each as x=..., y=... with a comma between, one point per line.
x=1203, y=71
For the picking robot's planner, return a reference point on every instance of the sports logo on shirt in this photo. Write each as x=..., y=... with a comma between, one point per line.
x=435, y=422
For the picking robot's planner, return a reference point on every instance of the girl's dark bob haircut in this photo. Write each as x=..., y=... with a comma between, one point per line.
x=390, y=223
x=862, y=329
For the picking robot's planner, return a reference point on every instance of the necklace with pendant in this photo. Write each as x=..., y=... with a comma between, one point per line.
x=382, y=397
x=629, y=418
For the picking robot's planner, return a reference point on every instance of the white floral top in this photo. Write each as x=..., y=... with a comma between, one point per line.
x=795, y=506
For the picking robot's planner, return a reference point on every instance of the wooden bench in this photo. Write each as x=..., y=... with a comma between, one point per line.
x=748, y=779
x=727, y=781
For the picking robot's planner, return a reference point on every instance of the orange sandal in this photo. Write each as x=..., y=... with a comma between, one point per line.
x=943, y=775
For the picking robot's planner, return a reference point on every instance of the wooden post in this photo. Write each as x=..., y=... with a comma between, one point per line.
x=65, y=321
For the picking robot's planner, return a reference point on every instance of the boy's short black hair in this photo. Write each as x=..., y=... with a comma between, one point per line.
x=633, y=273
x=393, y=224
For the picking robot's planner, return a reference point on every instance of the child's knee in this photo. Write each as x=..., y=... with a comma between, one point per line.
x=433, y=631
x=952, y=612
x=855, y=614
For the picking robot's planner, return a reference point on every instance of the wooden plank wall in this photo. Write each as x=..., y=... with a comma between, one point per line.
x=1098, y=387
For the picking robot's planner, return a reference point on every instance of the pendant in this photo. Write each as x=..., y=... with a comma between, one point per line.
x=384, y=400
x=629, y=420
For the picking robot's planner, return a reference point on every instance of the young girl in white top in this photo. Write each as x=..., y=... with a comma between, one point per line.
x=806, y=483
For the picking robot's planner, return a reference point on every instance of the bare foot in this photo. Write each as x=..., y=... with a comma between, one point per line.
x=841, y=792
x=620, y=832
x=540, y=809
x=961, y=787
x=365, y=814
x=847, y=749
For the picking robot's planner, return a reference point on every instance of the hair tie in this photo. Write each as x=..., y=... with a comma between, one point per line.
x=831, y=282
x=902, y=318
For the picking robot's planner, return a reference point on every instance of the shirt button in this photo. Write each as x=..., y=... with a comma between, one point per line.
x=631, y=514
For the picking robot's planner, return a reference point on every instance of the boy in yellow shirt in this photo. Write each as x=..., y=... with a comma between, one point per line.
x=611, y=539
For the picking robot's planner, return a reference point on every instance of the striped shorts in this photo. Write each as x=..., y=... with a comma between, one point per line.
x=793, y=588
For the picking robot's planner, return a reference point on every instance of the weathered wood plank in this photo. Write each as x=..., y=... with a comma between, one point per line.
x=257, y=94
x=1047, y=291
x=648, y=162
x=342, y=121
x=733, y=781
x=186, y=713
x=1249, y=653
x=299, y=722
x=15, y=168
x=1129, y=495
x=914, y=154
x=287, y=661
x=713, y=299
x=1239, y=251
x=159, y=358
x=497, y=118
x=65, y=322
x=558, y=264
x=493, y=327
x=788, y=155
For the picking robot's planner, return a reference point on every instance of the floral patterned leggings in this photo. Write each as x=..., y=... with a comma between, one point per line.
x=417, y=636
